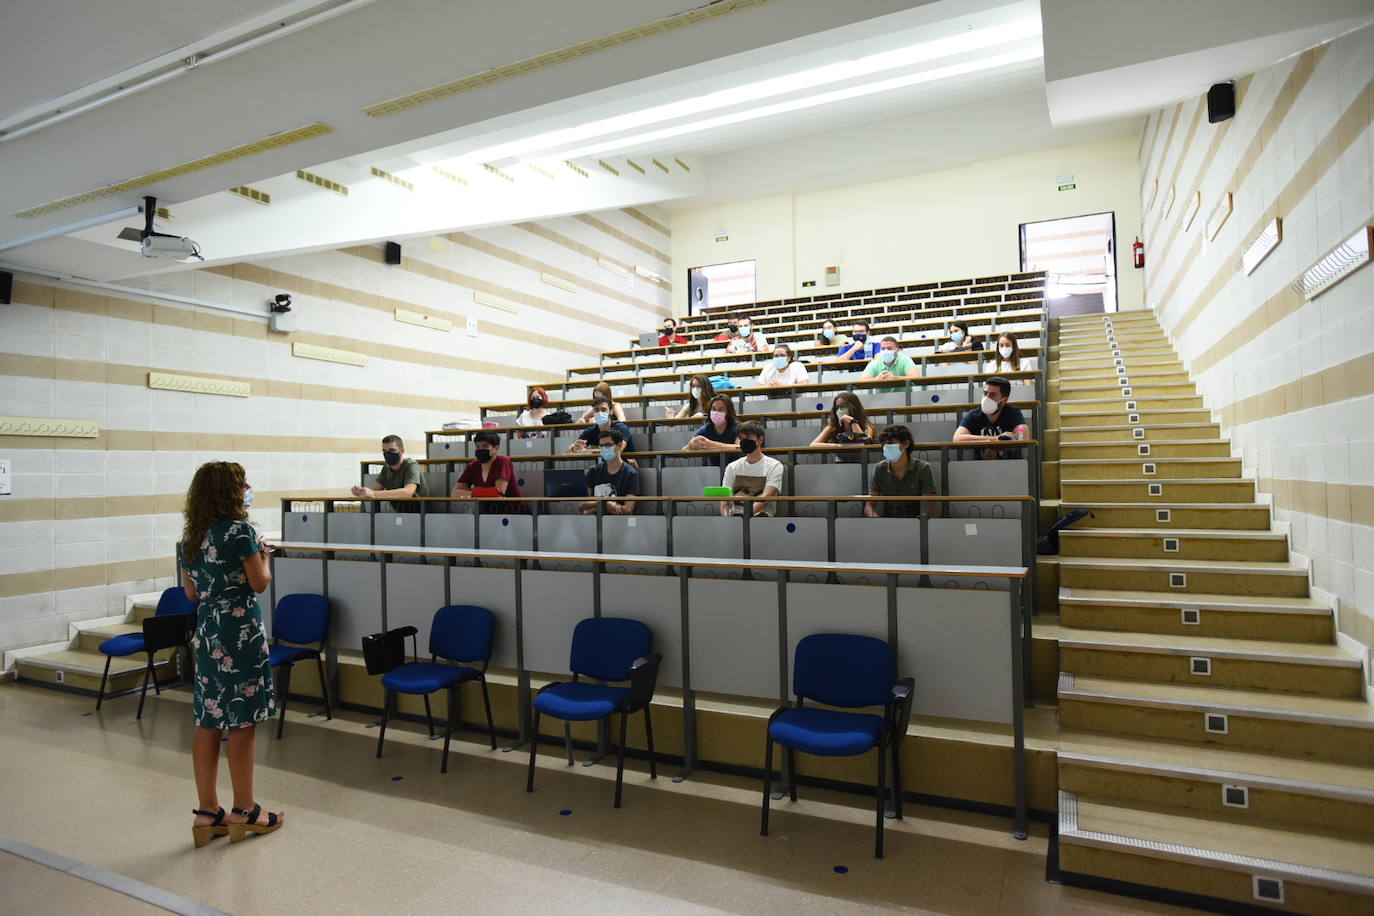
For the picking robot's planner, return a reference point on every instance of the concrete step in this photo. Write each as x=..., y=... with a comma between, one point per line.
x=1174, y=490
x=1224, y=577
x=1143, y=377
x=1139, y=316
x=1115, y=402
x=91, y=638
x=1071, y=416
x=1197, y=615
x=1138, y=449
x=79, y=670
x=1067, y=365
x=1179, y=543
x=1224, y=858
x=1339, y=729
x=1110, y=387
x=1162, y=518
x=1150, y=467
x=1116, y=433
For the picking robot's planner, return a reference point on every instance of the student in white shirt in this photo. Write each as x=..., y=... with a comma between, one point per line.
x=1009, y=358
x=747, y=340
x=756, y=476
x=783, y=370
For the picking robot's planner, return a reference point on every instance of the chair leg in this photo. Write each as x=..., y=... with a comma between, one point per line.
x=792, y=773
x=649, y=739
x=897, y=779
x=284, y=693
x=324, y=688
x=534, y=745
x=567, y=741
x=429, y=716
x=491, y=725
x=100, y=697
x=386, y=713
x=157, y=690
x=881, y=803
x=147, y=673
x=767, y=781
x=620, y=759
x=448, y=735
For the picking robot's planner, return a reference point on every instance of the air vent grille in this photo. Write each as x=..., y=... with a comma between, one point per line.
x=253, y=194
x=394, y=179
x=320, y=181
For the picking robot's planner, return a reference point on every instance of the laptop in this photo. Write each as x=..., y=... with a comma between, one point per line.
x=648, y=339
x=565, y=483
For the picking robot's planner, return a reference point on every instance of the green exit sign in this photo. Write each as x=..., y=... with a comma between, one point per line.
x=1067, y=187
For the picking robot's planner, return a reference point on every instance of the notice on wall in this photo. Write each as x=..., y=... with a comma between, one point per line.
x=6, y=489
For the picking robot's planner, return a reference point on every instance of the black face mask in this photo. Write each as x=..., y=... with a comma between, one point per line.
x=483, y=455
x=747, y=446
x=860, y=337
x=391, y=458
x=536, y=402
x=665, y=332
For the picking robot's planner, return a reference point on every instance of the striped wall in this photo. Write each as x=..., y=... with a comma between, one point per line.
x=1291, y=380
x=94, y=520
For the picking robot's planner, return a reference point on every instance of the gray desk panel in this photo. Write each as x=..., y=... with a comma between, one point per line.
x=756, y=406
x=877, y=540
x=690, y=481
x=788, y=539
x=529, y=478
x=671, y=438
x=975, y=542
x=635, y=534
x=734, y=637
x=554, y=602
x=859, y=609
x=654, y=600
x=788, y=436
x=524, y=448
x=398, y=529
x=355, y=599
x=505, y=532
x=567, y=534
x=449, y=449
x=457, y=530
x=302, y=526
x=413, y=594
x=292, y=576
x=956, y=644
x=350, y=528
x=1002, y=477
x=709, y=536
x=493, y=589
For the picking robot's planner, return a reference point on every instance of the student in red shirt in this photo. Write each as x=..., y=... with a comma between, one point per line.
x=491, y=474
x=668, y=335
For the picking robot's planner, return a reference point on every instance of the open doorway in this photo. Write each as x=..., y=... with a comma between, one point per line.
x=1078, y=254
x=719, y=286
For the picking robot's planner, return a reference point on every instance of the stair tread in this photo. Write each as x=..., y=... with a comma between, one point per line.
x=114, y=629
x=1234, y=835
x=1235, y=533
x=1199, y=645
x=1352, y=711
x=85, y=661
x=1193, y=599
x=1080, y=429
x=1141, y=459
x=1136, y=442
x=1157, y=504
x=1274, y=566
x=1186, y=756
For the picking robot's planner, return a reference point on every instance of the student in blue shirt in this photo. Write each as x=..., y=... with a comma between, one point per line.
x=602, y=419
x=611, y=477
x=721, y=430
x=994, y=420
x=861, y=345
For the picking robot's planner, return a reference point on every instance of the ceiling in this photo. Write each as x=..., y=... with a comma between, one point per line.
x=796, y=94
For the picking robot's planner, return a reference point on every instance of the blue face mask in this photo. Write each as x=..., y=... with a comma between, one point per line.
x=743, y=330
x=248, y=498
x=828, y=333
x=608, y=453
x=602, y=418
x=957, y=336
x=892, y=451
x=889, y=356
x=780, y=362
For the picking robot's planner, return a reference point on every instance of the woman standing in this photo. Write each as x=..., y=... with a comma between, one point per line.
x=223, y=564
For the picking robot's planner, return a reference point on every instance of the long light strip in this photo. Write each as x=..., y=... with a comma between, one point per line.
x=806, y=79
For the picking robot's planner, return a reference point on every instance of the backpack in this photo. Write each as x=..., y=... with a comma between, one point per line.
x=1048, y=544
x=557, y=416
x=722, y=383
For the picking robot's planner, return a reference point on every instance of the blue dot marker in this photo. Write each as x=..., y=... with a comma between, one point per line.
x=934, y=399
x=791, y=527
x=85, y=714
x=505, y=522
x=841, y=869
x=305, y=518
x=565, y=812
x=397, y=778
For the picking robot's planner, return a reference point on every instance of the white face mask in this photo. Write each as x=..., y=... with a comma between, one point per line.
x=1005, y=351
x=841, y=412
x=696, y=393
x=990, y=406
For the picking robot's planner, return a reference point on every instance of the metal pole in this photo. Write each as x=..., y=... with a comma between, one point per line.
x=689, y=703
x=1020, y=827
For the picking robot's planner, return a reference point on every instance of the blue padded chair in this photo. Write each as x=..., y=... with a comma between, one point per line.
x=603, y=649
x=156, y=636
x=299, y=619
x=851, y=672
x=459, y=633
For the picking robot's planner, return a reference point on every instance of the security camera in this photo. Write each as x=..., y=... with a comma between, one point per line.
x=169, y=246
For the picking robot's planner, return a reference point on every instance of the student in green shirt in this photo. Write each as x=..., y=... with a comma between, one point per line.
x=401, y=478
x=900, y=473
x=891, y=362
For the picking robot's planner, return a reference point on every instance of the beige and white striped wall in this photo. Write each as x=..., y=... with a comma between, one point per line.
x=1291, y=380
x=93, y=520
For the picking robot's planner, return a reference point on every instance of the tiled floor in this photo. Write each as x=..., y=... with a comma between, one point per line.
x=117, y=793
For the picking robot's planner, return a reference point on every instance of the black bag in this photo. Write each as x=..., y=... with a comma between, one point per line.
x=1048, y=544
x=383, y=652
x=557, y=417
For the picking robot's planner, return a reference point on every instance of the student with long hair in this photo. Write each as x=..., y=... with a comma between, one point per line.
x=1009, y=358
x=846, y=421
x=603, y=390
x=720, y=432
x=699, y=394
x=224, y=566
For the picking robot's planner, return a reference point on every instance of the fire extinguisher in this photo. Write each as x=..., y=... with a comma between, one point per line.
x=1138, y=253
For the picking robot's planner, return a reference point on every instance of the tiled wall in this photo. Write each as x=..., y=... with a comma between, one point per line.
x=93, y=520
x=1292, y=380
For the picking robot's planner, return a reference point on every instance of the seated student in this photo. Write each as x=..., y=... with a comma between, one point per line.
x=860, y=345
x=891, y=362
x=747, y=340
x=489, y=473
x=1009, y=358
x=900, y=473
x=959, y=339
x=601, y=420
x=720, y=430
x=783, y=370
x=668, y=335
x=603, y=389
x=699, y=394
x=402, y=478
x=994, y=420
x=533, y=415
x=756, y=476
x=731, y=329
x=846, y=422
x=611, y=477
x=830, y=336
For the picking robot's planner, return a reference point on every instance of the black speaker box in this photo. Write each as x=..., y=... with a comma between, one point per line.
x=393, y=252
x=1221, y=102
x=6, y=287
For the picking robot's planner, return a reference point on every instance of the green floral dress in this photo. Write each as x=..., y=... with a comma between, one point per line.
x=233, y=674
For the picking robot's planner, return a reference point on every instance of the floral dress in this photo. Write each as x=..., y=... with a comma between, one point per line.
x=233, y=674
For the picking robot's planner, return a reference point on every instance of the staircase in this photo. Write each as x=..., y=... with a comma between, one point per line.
x=78, y=666
x=1214, y=741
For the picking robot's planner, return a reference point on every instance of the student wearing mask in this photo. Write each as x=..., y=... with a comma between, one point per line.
x=731, y=330
x=1009, y=358
x=783, y=370
x=533, y=414
x=721, y=429
x=860, y=345
x=602, y=419
x=747, y=340
x=846, y=421
x=400, y=478
x=900, y=473
x=959, y=339
x=489, y=473
x=755, y=476
x=994, y=420
x=668, y=335
x=603, y=390
x=611, y=477
x=699, y=394
x=830, y=336
x=891, y=362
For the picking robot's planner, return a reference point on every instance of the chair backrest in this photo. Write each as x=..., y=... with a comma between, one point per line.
x=843, y=669
x=301, y=619
x=604, y=648
x=462, y=633
x=174, y=601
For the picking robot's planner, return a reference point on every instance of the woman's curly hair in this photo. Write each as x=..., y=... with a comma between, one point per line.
x=216, y=493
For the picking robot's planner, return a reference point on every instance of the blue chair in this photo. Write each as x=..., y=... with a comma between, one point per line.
x=459, y=633
x=850, y=672
x=178, y=615
x=298, y=619
x=603, y=649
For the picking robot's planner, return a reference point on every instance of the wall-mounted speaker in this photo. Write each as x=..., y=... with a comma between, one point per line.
x=393, y=252
x=1221, y=102
x=6, y=287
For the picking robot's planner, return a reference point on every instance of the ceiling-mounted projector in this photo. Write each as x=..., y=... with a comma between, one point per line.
x=168, y=246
